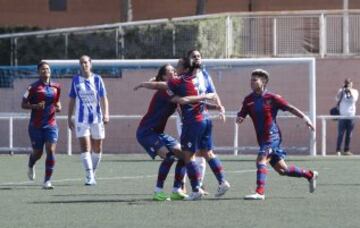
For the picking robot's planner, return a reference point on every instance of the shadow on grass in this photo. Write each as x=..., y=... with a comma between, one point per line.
x=139, y=201
x=89, y=194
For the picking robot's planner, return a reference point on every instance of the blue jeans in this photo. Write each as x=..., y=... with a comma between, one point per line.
x=345, y=126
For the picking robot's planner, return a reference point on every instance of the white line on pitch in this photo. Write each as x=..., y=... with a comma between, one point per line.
x=108, y=178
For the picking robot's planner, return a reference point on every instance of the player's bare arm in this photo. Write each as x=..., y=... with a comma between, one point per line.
x=38, y=106
x=105, y=104
x=297, y=112
x=156, y=85
x=193, y=99
x=70, y=113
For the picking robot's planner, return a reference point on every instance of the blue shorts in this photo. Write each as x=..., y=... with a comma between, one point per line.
x=152, y=141
x=40, y=136
x=273, y=150
x=197, y=136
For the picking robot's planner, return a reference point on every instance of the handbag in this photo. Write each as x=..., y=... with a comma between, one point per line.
x=334, y=111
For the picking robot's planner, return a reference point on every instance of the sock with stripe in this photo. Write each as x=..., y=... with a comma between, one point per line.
x=194, y=175
x=261, y=178
x=164, y=171
x=49, y=166
x=180, y=171
x=293, y=171
x=217, y=168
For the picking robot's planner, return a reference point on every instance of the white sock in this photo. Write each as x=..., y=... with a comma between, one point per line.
x=96, y=158
x=202, y=168
x=87, y=163
x=157, y=189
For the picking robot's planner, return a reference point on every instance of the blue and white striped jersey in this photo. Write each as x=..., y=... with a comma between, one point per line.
x=87, y=94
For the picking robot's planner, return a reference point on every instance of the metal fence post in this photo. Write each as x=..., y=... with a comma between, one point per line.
x=322, y=35
x=274, y=28
x=228, y=37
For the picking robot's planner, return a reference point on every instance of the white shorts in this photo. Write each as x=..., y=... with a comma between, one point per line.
x=95, y=130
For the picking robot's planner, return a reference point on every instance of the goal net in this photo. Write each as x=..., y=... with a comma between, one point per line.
x=293, y=78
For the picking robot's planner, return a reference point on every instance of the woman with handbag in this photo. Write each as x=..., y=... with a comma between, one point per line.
x=346, y=97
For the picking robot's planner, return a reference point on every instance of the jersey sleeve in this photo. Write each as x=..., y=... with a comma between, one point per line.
x=172, y=87
x=210, y=88
x=244, y=109
x=27, y=95
x=57, y=98
x=280, y=102
x=72, y=92
x=102, y=89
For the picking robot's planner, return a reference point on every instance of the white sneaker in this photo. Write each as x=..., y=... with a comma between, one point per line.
x=312, y=182
x=222, y=189
x=90, y=181
x=31, y=173
x=255, y=196
x=47, y=185
x=195, y=196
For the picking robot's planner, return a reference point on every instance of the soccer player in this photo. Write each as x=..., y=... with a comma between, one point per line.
x=150, y=134
x=262, y=106
x=43, y=99
x=181, y=69
x=88, y=93
x=196, y=136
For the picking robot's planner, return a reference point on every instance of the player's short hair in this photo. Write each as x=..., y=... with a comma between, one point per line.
x=263, y=74
x=42, y=63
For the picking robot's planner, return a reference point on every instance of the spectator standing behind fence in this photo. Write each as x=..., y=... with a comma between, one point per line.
x=42, y=97
x=88, y=93
x=347, y=97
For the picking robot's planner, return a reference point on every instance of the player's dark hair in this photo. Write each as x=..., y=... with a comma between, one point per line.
x=42, y=63
x=262, y=74
x=189, y=60
x=161, y=73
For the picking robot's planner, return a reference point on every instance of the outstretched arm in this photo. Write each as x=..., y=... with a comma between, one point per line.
x=292, y=109
x=152, y=85
x=193, y=99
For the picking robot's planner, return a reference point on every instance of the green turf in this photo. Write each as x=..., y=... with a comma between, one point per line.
x=122, y=197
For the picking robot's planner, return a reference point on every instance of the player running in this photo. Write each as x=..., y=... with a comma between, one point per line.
x=262, y=106
x=43, y=98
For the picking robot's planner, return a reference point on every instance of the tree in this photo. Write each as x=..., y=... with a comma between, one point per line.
x=200, y=7
x=126, y=11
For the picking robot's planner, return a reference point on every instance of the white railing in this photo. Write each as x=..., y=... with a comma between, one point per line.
x=11, y=117
x=323, y=119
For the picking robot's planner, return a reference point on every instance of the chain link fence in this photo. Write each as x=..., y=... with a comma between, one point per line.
x=217, y=36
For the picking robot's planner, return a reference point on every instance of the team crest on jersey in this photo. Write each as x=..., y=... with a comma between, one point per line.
x=268, y=102
x=189, y=144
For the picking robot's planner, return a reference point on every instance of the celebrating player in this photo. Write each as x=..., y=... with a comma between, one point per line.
x=196, y=133
x=262, y=106
x=42, y=97
x=150, y=134
x=88, y=93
